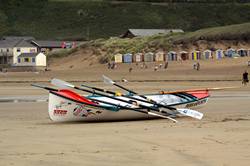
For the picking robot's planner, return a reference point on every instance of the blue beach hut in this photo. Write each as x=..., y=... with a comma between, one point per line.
x=127, y=58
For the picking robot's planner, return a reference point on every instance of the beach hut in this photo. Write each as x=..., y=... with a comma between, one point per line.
x=127, y=58
x=138, y=57
x=219, y=54
x=159, y=56
x=207, y=54
x=118, y=58
x=230, y=52
x=196, y=55
x=149, y=57
x=242, y=52
x=171, y=56
x=184, y=55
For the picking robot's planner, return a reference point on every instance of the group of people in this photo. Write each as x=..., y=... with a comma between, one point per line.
x=156, y=67
x=112, y=65
x=196, y=66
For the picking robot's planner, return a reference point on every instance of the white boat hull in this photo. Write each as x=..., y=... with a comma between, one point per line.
x=63, y=109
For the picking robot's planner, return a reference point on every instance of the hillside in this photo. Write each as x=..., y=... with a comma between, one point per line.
x=87, y=19
x=102, y=50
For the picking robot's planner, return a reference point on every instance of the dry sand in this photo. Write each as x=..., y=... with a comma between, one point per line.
x=28, y=137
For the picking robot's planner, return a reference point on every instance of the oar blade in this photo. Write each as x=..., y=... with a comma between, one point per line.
x=107, y=80
x=162, y=116
x=190, y=113
x=61, y=84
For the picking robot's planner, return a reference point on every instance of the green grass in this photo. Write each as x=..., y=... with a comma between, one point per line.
x=87, y=19
x=232, y=32
x=109, y=47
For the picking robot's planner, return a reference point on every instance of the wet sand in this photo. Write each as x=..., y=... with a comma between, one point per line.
x=222, y=137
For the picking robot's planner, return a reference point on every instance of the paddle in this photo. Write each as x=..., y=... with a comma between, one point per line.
x=148, y=100
x=44, y=87
x=137, y=110
x=184, y=111
x=130, y=97
x=66, y=85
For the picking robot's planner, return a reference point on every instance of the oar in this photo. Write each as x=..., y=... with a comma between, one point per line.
x=44, y=87
x=148, y=100
x=109, y=81
x=137, y=110
x=66, y=85
x=183, y=111
x=130, y=97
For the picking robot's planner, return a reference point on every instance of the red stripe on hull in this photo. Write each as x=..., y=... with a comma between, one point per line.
x=199, y=94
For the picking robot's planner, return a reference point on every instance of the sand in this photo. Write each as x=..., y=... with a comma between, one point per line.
x=222, y=137
x=28, y=137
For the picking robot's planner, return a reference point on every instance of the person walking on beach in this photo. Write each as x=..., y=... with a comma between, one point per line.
x=198, y=66
x=245, y=78
x=166, y=65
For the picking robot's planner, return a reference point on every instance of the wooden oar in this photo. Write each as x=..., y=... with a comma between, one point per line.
x=66, y=85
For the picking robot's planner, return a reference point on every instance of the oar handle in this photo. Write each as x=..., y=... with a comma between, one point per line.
x=115, y=98
x=99, y=89
x=44, y=87
x=130, y=91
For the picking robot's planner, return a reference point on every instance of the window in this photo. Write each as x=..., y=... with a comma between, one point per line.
x=19, y=60
x=33, y=60
x=18, y=49
x=7, y=50
x=26, y=60
x=32, y=50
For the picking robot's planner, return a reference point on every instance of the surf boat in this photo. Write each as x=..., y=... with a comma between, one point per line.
x=102, y=105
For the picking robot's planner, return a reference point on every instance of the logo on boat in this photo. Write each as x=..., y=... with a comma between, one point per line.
x=200, y=102
x=62, y=104
x=58, y=112
x=82, y=111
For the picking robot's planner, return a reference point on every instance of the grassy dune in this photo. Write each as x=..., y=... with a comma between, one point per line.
x=106, y=48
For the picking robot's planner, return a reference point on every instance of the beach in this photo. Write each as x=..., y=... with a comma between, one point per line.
x=28, y=137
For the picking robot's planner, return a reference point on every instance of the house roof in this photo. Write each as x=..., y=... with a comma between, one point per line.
x=29, y=55
x=16, y=41
x=47, y=44
x=150, y=32
x=7, y=43
x=24, y=43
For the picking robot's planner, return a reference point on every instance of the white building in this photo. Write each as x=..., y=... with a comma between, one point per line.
x=22, y=47
x=32, y=59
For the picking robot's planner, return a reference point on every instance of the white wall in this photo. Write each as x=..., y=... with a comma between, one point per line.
x=41, y=60
x=22, y=50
